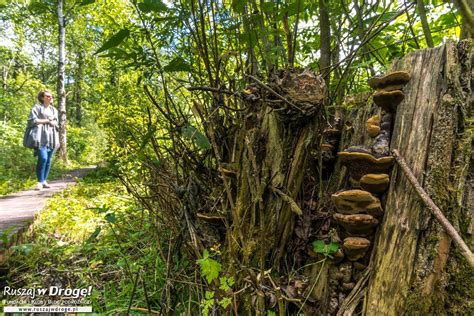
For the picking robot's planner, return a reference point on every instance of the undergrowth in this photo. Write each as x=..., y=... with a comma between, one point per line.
x=18, y=164
x=94, y=234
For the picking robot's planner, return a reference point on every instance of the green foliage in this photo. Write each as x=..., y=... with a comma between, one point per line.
x=152, y=6
x=327, y=250
x=74, y=240
x=194, y=134
x=226, y=283
x=114, y=41
x=210, y=268
x=208, y=302
x=177, y=64
x=86, y=145
x=167, y=46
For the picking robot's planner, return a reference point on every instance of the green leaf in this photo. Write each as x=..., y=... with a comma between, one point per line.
x=382, y=18
x=147, y=137
x=239, y=5
x=114, y=41
x=209, y=295
x=226, y=301
x=268, y=7
x=94, y=235
x=333, y=247
x=319, y=246
x=110, y=217
x=116, y=53
x=152, y=6
x=177, y=64
x=226, y=283
x=194, y=134
x=210, y=268
x=25, y=248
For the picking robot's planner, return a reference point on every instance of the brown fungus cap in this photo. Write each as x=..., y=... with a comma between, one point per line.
x=356, y=224
x=373, y=126
x=375, y=183
x=374, y=209
x=362, y=163
x=359, y=149
x=355, y=248
x=354, y=201
x=388, y=100
x=392, y=80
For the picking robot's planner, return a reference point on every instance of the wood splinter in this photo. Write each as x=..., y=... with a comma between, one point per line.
x=448, y=227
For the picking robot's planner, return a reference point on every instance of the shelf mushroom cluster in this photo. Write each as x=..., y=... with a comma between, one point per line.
x=359, y=209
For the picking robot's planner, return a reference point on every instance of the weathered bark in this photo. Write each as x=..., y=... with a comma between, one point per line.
x=325, y=41
x=276, y=136
x=412, y=250
x=61, y=75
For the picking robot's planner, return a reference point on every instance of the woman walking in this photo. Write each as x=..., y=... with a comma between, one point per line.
x=43, y=119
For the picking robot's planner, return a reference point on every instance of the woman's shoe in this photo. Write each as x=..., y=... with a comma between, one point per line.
x=39, y=186
x=46, y=185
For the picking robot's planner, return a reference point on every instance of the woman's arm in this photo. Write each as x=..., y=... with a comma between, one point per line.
x=42, y=121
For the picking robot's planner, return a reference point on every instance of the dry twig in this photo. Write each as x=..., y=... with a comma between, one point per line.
x=448, y=227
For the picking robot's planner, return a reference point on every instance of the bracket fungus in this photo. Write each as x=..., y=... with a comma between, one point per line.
x=303, y=93
x=392, y=81
x=388, y=100
x=362, y=163
x=356, y=224
x=355, y=201
x=375, y=183
x=355, y=248
x=373, y=126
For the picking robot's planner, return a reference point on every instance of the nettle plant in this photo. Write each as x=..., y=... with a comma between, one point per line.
x=210, y=270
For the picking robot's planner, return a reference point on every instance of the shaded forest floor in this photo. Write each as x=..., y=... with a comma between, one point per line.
x=91, y=234
x=18, y=210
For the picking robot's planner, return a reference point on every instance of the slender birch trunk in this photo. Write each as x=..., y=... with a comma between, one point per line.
x=61, y=74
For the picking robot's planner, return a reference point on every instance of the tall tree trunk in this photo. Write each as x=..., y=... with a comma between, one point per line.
x=61, y=75
x=325, y=40
x=78, y=88
x=413, y=260
x=362, y=35
x=466, y=9
x=424, y=22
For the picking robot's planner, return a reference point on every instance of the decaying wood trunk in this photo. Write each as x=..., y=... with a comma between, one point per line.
x=283, y=118
x=414, y=262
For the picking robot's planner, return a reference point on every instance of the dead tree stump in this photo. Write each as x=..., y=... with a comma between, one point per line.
x=413, y=260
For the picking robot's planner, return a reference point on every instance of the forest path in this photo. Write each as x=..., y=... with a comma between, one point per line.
x=17, y=210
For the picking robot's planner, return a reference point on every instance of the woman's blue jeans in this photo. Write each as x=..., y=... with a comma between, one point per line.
x=43, y=165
